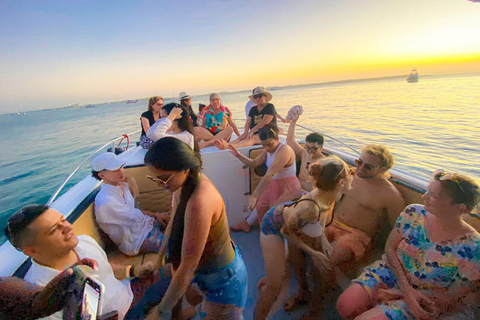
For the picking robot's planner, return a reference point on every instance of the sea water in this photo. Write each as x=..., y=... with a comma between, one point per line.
x=432, y=124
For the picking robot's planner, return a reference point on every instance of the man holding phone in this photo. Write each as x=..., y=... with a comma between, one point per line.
x=43, y=234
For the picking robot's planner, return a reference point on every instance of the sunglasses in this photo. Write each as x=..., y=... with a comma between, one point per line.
x=368, y=166
x=311, y=149
x=258, y=96
x=157, y=180
x=442, y=175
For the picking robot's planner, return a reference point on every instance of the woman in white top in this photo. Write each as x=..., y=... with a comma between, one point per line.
x=175, y=122
x=279, y=184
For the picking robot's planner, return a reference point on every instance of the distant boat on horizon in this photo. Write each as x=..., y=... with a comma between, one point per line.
x=132, y=101
x=413, y=77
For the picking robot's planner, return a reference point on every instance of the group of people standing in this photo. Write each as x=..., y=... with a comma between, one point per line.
x=329, y=213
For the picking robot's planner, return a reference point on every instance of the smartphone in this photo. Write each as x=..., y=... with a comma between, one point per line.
x=92, y=295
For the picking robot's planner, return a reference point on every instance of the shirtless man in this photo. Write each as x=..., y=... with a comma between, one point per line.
x=359, y=216
x=310, y=153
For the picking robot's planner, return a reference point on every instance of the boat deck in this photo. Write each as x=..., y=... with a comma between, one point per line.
x=249, y=246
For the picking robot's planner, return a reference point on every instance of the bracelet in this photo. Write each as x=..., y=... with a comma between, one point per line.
x=162, y=274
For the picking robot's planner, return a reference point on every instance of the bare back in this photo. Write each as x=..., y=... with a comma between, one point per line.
x=369, y=203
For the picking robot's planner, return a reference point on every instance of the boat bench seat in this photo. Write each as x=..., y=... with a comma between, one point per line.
x=150, y=198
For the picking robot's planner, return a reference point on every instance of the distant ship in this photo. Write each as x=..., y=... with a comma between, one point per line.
x=132, y=101
x=413, y=77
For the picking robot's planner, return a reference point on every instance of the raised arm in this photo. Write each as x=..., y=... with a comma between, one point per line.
x=291, y=141
x=159, y=129
x=252, y=163
x=198, y=220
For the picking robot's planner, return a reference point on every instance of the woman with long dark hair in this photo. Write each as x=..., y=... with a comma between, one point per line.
x=175, y=122
x=148, y=118
x=197, y=237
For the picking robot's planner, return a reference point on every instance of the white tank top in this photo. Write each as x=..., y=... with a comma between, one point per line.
x=287, y=172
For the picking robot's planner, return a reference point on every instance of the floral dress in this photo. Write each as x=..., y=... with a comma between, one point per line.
x=429, y=266
x=216, y=122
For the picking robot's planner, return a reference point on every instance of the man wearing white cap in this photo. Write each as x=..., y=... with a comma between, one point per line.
x=186, y=101
x=131, y=229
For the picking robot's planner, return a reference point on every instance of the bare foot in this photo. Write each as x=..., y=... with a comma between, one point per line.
x=188, y=313
x=295, y=301
x=261, y=283
x=221, y=144
x=242, y=226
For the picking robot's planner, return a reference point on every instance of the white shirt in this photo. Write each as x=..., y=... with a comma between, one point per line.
x=117, y=216
x=117, y=296
x=249, y=106
x=159, y=130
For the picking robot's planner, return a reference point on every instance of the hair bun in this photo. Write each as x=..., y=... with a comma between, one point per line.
x=315, y=169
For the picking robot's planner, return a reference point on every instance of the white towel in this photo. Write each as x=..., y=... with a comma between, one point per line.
x=294, y=113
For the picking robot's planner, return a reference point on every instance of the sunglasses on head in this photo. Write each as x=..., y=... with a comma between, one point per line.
x=258, y=96
x=157, y=180
x=442, y=175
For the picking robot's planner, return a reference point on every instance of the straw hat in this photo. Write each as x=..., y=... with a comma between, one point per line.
x=260, y=90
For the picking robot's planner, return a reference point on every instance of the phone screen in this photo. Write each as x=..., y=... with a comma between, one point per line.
x=91, y=297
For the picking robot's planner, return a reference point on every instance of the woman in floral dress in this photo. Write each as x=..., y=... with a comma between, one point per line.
x=431, y=266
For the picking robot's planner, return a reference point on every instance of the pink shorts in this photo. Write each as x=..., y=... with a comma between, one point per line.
x=357, y=241
x=277, y=191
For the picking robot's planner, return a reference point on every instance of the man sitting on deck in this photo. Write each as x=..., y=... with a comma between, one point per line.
x=358, y=217
x=311, y=153
x=131, y=229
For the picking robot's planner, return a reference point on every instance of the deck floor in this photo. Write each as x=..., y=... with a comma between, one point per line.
x=252, y=253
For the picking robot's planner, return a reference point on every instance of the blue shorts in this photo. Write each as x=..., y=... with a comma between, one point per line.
x=154, y=239
x=228, y=285
x=272, y=221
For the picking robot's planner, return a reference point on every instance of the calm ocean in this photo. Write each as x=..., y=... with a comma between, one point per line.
x=432, y=124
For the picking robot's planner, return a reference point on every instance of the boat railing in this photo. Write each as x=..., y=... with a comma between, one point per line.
x=399, y=176
x=323, y=134
x=112, y=142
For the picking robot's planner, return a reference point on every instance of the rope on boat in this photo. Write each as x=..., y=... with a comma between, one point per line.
x=55, y=194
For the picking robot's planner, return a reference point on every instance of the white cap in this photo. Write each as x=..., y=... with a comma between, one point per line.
x=183, y=95
x=313, y=229
x=106, y=161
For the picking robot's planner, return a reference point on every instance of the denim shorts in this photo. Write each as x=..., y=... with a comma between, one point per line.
x=228, y=285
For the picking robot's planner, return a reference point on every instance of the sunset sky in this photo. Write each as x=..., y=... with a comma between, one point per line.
x=59, y=52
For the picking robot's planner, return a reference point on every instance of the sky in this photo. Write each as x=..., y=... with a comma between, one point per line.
x=60, y=52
